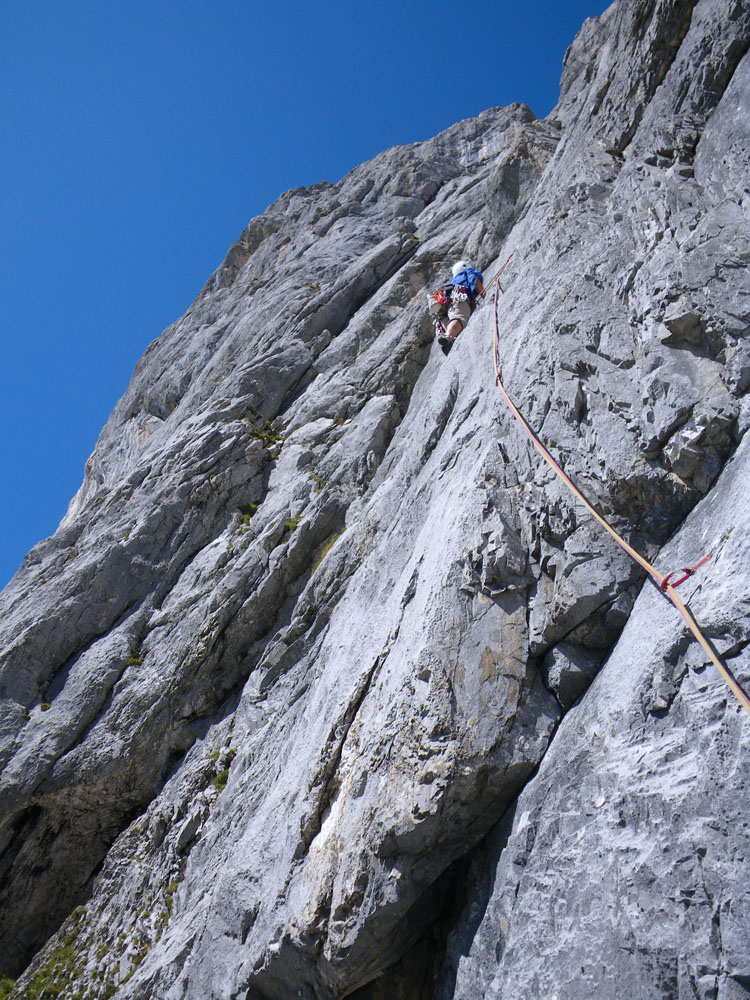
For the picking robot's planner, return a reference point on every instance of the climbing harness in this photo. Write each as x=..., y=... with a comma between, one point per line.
x=452, y=292
x=663, y=581
x=440, y=300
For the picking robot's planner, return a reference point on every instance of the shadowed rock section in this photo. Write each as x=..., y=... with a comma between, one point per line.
x=294, y=703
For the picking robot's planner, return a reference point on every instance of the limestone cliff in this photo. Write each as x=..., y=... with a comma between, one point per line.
x=298, y=700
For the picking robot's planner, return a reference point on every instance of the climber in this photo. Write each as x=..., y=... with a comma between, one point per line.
x=457, y=299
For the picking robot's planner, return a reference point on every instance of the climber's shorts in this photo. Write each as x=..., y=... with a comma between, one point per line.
x=460, y=311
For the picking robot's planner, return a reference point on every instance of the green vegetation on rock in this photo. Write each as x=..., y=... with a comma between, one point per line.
x=266, y=434
x=247, y=511
x=321, y=552
x=135, y=657
x=220, y=780
x=58, y=972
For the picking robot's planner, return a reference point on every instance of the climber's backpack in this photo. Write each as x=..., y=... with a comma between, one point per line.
x=464, y=285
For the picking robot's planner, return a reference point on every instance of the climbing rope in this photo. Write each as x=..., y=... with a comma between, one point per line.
x=663, y=581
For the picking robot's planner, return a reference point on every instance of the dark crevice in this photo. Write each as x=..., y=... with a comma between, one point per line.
x=442, y=924
x=22, y=826
x=414, y=975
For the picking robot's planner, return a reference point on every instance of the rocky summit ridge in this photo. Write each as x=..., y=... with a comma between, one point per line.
x=325, y=686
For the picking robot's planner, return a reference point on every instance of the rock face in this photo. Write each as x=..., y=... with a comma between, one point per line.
x=296, y=701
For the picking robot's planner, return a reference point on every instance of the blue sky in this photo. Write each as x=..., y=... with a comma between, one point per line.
x=138, y=139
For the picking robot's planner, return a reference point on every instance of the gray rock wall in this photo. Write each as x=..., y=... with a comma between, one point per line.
x=626, y=859
x=294, y=703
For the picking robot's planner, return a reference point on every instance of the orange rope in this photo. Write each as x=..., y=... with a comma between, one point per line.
x=661, y=580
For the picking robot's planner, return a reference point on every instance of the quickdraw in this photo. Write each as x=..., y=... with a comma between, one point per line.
x=687, y=572
x=664, y=582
